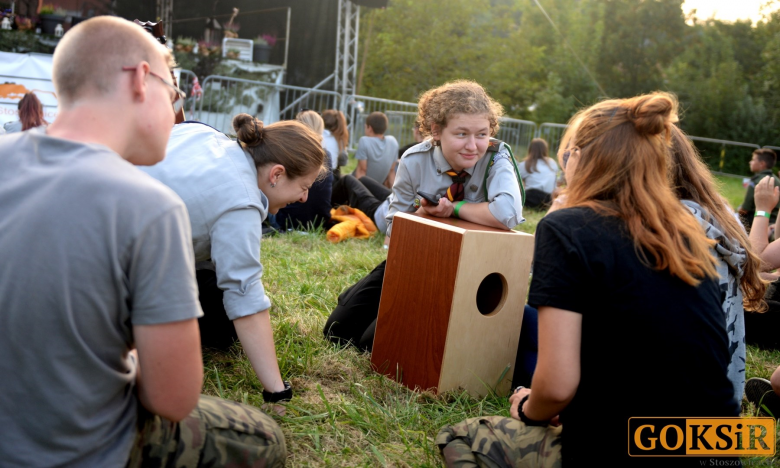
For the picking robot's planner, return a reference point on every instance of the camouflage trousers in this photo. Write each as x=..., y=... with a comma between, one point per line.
x=216, y=433
x=496, y=441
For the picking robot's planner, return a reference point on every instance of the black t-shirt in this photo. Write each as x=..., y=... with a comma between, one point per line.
x=652, y=345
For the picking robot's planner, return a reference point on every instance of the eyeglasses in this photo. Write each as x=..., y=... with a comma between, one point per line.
x=566, y=154
x=178, y=96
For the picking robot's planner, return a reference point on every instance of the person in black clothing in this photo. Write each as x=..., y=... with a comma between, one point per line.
x=623, y=254
x=761, y=165
x=761, y=328
x=365, y=194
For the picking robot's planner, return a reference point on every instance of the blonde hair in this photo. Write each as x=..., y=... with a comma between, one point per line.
x=690, y=179
x=437, y=105
x=622, y=172
x=289, y=143
x=312, y=120
x=90, y=57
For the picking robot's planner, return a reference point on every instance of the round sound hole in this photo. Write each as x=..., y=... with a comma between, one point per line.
x=491, y=294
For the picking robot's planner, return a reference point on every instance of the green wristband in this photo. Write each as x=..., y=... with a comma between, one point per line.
x=764, y=213
x=457, y=208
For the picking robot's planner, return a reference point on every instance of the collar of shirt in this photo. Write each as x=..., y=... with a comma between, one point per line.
x=760, y=175
x=442, y=165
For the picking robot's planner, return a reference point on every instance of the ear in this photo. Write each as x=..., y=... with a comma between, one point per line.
x=138, y=81
x=436, y=131
x=276, y=173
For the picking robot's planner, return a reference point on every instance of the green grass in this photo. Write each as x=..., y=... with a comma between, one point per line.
x=731, y=188
x=343, y=413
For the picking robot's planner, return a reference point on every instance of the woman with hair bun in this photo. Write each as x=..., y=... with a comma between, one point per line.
x=229, y=188
x=315, y=212
x=630, y=317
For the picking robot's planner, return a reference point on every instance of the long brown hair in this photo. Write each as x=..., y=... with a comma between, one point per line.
x=289, y=143
x=31, y=112
x=336, y=124
x=537, y=151
x=622, y=172
x=692, y=180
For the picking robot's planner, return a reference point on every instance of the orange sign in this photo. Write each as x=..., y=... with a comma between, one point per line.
x=664, y=437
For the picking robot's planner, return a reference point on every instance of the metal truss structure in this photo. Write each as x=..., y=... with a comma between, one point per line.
x=345, y=73
x=165, y=14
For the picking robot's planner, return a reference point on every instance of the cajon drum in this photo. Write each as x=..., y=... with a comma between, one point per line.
x=452, y=304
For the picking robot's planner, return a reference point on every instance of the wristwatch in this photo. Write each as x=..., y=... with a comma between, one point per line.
x=284, y=395
x=525, y=419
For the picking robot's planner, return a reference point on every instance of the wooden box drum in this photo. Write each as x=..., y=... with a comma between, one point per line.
x=452, y=304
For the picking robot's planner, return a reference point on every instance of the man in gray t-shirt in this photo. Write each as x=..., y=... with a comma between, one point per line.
x=376, y=151
x=98, y=323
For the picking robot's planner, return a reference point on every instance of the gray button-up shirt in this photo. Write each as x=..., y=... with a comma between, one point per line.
x=423, y=168
x=217, y=180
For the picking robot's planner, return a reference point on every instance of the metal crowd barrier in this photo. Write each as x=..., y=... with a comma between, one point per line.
x=224, y=97
x=725, y=156
x=295, y=99
x=400, y=115
x=186, y=82
x=552, y=134
x=517, y=134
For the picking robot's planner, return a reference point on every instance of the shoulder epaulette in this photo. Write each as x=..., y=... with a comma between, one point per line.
x=494, y=145
x=421, y=147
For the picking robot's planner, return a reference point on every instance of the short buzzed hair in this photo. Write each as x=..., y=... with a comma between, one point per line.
x=378, y=122
x=766, y=156
x=90, y=57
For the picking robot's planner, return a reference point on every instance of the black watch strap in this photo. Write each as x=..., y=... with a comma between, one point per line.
x=525, y=419
x=284, y=395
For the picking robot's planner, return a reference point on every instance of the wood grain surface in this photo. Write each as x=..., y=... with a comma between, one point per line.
x=430, y=333
x=414, y=310
x=479, y=348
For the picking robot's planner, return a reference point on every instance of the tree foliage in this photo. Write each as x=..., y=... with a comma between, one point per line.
x=727, y=75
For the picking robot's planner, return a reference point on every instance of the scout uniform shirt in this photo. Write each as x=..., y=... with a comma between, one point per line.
x=424, y=168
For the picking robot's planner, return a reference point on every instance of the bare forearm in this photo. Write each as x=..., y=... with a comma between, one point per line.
x=759, y=234
x=541, y=407
x=479, y=213
x=257, y=338
x=390, y=178
x=172, y=376
x=361, y=169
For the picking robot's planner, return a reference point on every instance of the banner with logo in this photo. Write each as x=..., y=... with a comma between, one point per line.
x=21, y=74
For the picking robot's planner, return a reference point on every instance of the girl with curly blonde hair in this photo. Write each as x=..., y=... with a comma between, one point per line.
x=471, y=175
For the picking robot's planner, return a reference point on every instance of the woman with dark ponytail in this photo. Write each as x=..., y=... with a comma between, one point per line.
x=630, y=317
x=229, y=188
